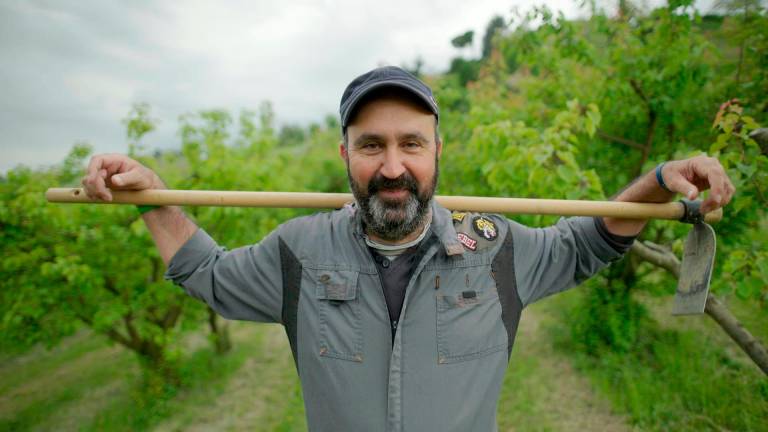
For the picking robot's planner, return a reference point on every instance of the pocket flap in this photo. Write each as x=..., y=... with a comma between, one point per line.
x=466, y=298
x=336, y=284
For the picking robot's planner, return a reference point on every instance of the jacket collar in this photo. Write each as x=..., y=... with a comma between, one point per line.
x=442, y=226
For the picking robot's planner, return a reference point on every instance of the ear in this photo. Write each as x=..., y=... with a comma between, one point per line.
x=343, y=152
x=439, y=145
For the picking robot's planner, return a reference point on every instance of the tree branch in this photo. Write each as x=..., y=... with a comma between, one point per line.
x=134, y=335
x=661, y=257
x=620, y=140
x=109, y=285
x=638, y=90
x=658, y=256
x=171, y=316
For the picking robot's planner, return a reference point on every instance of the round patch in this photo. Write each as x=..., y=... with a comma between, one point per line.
x=485, y=228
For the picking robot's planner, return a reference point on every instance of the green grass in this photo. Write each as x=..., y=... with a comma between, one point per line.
x=684, y=375
x=38, y=361
x=254, y=387
x=87, y=385
x=31, y=401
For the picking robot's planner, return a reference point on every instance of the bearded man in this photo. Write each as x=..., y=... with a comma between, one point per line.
x=401, y=316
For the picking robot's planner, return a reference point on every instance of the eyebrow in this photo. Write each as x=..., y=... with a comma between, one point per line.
x=366, y=137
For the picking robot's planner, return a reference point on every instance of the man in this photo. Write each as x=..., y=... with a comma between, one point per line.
x=400, y=315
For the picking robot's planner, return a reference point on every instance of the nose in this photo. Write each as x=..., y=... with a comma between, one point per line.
x=392, y=166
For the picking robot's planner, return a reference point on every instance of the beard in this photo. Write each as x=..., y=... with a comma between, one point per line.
x=393, y=220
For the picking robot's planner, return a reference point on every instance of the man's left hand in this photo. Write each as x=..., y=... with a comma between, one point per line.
x=692, y=176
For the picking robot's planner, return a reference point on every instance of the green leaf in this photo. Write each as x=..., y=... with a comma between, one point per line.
x=719, y=144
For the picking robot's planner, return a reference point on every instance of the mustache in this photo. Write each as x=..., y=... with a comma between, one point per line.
x=405, y=181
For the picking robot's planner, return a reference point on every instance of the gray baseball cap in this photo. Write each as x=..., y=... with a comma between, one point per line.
x=387, y=76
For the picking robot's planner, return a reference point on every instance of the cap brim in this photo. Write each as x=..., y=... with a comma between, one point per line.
x=360, y=93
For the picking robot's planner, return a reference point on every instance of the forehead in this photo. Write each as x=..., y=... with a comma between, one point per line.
x=391, y=116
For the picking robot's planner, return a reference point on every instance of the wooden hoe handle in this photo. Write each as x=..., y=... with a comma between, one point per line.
x=626, y=210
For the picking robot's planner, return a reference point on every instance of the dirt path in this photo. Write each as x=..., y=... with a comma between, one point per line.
x=548, y=387
x=542, y=391
x=246, y=398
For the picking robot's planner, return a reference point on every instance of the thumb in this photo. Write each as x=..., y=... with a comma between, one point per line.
x=132, y=179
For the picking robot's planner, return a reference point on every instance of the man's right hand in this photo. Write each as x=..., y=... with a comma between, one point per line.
x=169, y=226
x=108, y=172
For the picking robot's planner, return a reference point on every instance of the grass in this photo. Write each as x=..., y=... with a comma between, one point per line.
x=685, y=374
x=87, y=385
x=688, y=378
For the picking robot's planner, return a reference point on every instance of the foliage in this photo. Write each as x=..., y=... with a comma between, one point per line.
x=97, y=265
x=617, y=95
x=463, y=40
x=553, y=108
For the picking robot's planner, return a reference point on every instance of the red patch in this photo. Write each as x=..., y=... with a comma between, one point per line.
x=467, y=241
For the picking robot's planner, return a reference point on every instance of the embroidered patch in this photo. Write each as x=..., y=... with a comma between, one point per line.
x=458, y=217
x=485, y=227
x=467, y=241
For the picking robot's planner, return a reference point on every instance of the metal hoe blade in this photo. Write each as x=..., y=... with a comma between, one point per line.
x=695, y=271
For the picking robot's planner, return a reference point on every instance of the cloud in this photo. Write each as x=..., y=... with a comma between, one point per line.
x=73, y=70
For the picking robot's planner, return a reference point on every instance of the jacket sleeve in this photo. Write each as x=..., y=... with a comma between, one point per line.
x=241, y=284
x=552, y=259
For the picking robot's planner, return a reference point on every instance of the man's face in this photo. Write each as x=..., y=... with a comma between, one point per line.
x=391, y=158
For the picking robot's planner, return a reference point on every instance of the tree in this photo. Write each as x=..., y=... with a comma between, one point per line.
x=463, y=40
x=495, y=25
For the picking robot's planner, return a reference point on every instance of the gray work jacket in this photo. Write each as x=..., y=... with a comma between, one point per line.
x=315, y=275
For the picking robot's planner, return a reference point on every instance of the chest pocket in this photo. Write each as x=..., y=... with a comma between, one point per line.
x=469, y=322
x=340, y=332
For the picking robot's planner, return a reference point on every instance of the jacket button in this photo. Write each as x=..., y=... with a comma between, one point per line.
x=324, y=278
x=385, y=263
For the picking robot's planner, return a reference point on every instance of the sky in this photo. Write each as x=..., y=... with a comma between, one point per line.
x=71, y=70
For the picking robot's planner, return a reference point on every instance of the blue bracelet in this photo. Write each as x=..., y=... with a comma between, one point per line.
x=659, y=178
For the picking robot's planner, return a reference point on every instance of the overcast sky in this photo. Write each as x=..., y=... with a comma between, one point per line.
x=71, y=70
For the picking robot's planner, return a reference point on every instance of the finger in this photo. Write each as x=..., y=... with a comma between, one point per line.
x=101, y=185
x=716, y=178
x=94, y=180
x=676, y=182
x=135, y=178
x=86, y=187
x=96, y=163
x=728, y=192
x=731, y=188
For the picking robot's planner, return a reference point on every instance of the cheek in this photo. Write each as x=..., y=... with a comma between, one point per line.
x=424, y=172
x=361, y=172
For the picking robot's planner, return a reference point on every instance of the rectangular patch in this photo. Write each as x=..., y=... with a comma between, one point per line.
x=467, y=241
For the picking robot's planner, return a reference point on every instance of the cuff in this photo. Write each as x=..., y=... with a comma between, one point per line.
x=620, y=244
x=190, y=257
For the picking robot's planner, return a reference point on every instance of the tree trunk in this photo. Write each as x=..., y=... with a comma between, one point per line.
x=219, y=333
x=156, y=364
